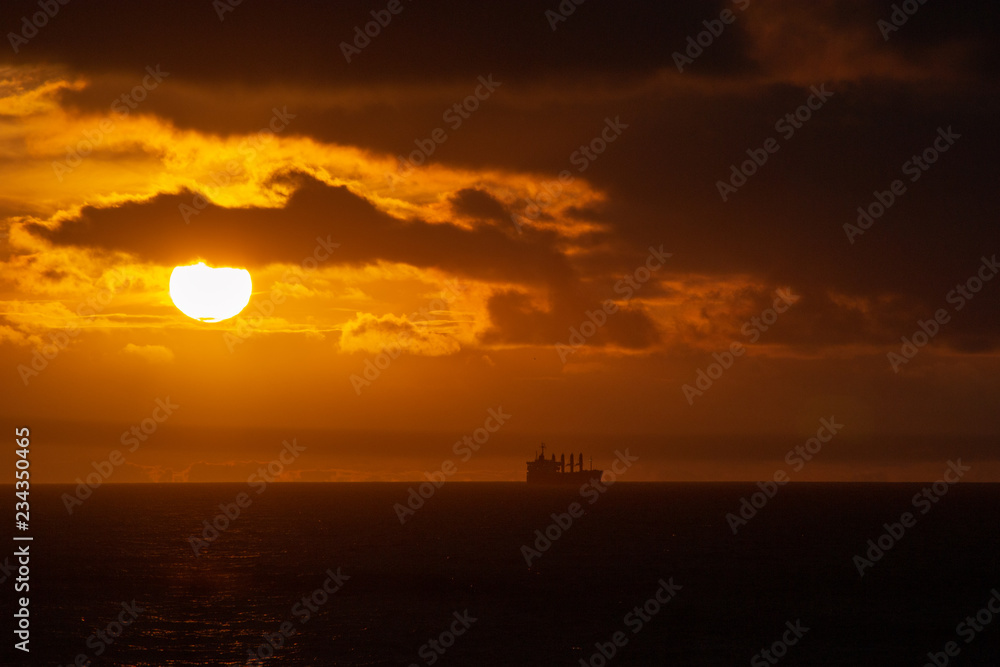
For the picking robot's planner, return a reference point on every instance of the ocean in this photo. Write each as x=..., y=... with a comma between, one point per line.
x=642, y=574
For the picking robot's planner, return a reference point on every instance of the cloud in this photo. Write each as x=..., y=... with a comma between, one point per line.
x=517, y=318
x=231, y=50
x=479, y=205
x=392, y=334
x=154, y=354
x=8, y=333
x=315, y=215
x=839, y=40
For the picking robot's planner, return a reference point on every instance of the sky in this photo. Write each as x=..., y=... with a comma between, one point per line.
x=695, y=230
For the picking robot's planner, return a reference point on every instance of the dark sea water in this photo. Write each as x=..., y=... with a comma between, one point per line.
x=461, y=552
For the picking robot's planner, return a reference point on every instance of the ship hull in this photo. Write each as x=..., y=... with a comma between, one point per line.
x=575, y=478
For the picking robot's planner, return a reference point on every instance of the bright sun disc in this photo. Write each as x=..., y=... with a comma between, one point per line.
x=209, y=294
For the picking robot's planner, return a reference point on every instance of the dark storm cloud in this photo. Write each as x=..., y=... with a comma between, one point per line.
x=786, y=223
x=480, y=205
x=156, y=231
x=300, y=41
x=260, y=42
x=516, y=320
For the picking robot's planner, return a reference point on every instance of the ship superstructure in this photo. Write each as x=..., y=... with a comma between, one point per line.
x=551, y=471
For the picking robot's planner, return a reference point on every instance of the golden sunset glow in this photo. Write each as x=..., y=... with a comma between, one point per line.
x=431, y=236
x=210, y=294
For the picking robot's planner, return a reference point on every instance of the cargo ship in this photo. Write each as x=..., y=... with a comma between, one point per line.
x=545, y=471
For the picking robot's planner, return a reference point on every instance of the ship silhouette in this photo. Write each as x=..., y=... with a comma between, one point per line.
x=551, y=472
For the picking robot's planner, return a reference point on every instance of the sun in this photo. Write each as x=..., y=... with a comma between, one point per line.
x=210, y=294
